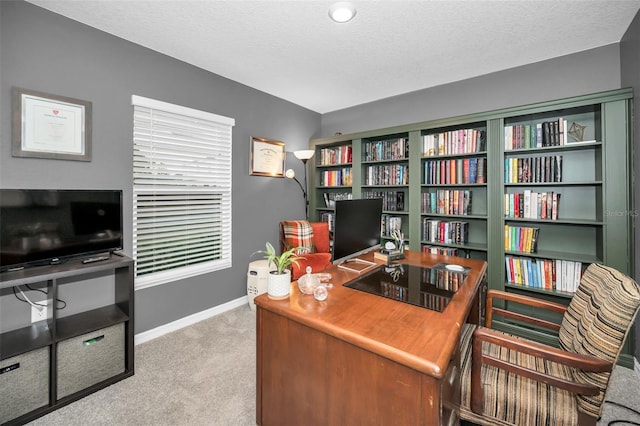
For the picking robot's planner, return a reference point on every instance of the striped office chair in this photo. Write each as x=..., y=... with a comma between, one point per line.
x=513, y=381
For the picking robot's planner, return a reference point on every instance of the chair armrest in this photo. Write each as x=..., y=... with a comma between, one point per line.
x=525, y=300
x=583, y=362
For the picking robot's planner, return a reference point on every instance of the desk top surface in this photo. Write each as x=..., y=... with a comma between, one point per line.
x=423, y=339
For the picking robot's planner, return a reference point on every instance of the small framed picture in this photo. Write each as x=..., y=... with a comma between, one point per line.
x=267, y=157
x=50, y=126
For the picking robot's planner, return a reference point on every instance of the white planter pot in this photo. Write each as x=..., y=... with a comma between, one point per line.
x=279, y=285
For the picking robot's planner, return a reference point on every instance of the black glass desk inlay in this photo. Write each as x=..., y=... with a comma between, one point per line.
x=430, y=288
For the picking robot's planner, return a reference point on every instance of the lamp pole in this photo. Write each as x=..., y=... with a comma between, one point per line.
x=306, y=199
x=304, y=156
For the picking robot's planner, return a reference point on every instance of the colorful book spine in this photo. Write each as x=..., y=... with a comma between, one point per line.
x=455, y=171
x=462, y=141
x=521, y=239
x=536, y=135
x=546, y=274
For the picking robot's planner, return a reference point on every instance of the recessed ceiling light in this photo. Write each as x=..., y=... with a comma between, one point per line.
x=342, y=11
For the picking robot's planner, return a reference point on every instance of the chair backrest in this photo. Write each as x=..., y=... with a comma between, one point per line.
x=313, y=236
x=597, y=322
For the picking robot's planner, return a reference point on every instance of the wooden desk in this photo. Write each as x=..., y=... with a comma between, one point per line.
x=359, y=358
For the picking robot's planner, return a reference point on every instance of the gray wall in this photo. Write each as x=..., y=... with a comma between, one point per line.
x=43, y=51
x=581, y=73
x=630, y=74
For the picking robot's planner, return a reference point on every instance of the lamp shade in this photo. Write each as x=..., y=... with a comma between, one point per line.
x=304, y=154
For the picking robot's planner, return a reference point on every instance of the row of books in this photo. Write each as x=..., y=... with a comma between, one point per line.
x=391, y=200
x=387, y=174
x=523, y=239
x=546, y=168
x=396, y=149
x=536, y=135
x=330, y=198
x=389, y=223
x=463, y=141
x=445, y=251
x=336, y=155
x=339, y=177
x=447, y=232
x=548, y=274
x=532, y=205
x=452, y=171
x=447, y=201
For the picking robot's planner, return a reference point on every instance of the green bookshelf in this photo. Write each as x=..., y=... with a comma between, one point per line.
x=585, y=140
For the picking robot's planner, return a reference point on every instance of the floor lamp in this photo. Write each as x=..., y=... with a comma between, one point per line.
x=304, y=156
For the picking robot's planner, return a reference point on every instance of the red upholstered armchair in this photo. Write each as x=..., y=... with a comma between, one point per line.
x=313, y=237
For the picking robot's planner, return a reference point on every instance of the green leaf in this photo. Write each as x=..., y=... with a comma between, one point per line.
x=282, y=261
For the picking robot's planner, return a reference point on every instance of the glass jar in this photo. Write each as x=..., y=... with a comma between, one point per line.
x=308, y=282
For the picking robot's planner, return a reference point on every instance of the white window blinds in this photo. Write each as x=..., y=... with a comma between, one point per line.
x=181, y=191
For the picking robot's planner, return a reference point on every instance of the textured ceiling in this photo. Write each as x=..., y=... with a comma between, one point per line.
x=291, y=49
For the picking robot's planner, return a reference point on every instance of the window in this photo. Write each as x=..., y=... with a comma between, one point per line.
x=181, y=191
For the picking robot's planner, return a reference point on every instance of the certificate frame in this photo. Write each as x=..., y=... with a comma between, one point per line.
x=50, y=126
x=267, y=157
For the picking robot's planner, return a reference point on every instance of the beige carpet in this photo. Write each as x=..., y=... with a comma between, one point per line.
x=205, y=374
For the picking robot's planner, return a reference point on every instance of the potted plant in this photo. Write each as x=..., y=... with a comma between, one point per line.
x=279, y=282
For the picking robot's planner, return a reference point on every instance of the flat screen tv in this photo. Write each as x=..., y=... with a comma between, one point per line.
x=41, y=226
x=356, y=227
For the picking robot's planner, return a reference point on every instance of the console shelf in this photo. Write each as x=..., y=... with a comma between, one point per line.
x=51, y=363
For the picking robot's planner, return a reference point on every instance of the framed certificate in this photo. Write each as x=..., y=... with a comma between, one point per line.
x=267, y=157
x=50, y=126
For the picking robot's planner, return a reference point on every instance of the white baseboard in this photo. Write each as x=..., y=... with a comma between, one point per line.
x=189, y=320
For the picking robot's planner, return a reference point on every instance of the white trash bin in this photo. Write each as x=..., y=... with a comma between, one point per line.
x=257, y=278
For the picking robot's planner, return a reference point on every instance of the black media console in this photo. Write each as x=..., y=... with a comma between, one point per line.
x=48, y=364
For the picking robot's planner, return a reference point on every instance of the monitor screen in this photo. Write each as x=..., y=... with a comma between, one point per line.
x=43, y=226
x=356, y=228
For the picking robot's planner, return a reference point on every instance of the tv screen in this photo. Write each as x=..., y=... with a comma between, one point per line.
x=41, y=226
x=356, y=227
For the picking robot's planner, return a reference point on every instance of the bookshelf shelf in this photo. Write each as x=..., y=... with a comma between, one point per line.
x=455, y=216
x=553, y=293
x=570, y=147
x=550, y=254
x=456, y=155
x=384, y=186
x=468, y=246
x=576, y=222
x=393, y=161
x=333, y=166
x=453, y=185
x=538, y=184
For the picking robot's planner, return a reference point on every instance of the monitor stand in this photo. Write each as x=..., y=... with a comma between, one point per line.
x=357, y=265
